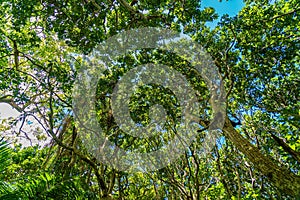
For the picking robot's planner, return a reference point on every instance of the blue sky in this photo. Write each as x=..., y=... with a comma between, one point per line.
x=230, y=7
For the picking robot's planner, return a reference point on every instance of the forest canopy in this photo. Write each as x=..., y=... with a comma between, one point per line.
x=256, y=153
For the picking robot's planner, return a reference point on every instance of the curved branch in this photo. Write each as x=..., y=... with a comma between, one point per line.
x=9, y=100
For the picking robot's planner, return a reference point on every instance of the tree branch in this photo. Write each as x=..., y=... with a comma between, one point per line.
x=131, y=9
x=9, y=100
x=284, y=14
x=281, y=177
x=286, y=148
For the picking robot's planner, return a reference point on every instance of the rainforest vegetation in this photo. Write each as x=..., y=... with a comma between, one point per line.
x=256, y=53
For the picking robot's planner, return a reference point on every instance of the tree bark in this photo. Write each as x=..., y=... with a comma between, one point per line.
x=281, y=177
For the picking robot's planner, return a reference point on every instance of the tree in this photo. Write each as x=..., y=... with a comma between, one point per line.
x=257, y=56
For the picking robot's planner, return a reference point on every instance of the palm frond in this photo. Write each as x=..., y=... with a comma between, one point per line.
x=45, y=186
x=5, y=151
x=4, y=154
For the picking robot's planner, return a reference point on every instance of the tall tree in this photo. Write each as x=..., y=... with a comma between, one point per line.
x=257, y=56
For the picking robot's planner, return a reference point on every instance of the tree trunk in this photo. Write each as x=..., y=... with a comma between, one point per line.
x=281, y=177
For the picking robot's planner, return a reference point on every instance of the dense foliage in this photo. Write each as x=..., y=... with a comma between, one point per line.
x=256, y=156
